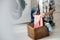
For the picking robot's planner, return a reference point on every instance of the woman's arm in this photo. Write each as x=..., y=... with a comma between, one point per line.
x=45, y=14
x=51, y=9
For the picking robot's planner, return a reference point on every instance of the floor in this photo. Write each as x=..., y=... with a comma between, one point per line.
x=54, y=36
x=21, y=30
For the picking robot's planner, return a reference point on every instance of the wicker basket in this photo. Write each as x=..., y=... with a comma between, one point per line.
x=37, y=33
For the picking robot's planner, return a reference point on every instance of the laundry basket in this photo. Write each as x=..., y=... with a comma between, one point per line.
x=37, y=33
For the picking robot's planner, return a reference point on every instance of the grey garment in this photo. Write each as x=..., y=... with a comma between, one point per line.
x=51, y=7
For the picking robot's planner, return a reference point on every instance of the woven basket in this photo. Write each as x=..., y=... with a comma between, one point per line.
x=37, y=33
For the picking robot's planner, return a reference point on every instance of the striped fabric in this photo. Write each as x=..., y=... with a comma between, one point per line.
x=47, y=5
x=44, y=6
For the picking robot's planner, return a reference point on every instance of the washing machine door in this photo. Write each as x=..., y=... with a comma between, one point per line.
x=20, y=11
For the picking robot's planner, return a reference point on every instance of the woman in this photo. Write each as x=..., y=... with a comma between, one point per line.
x=48, y=9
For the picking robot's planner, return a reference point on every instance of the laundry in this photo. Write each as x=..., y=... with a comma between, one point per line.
x=38, y=21
x=48, y=25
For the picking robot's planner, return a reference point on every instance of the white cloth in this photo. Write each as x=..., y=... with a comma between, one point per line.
x=42, y=5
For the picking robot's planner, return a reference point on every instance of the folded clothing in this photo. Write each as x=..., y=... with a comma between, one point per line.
x=48, y=25
x=38, y=21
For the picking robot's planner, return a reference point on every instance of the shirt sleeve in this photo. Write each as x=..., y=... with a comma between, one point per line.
x=52, y=5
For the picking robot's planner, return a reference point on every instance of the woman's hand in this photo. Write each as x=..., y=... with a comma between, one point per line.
x=44, y=14
x=48, y=13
